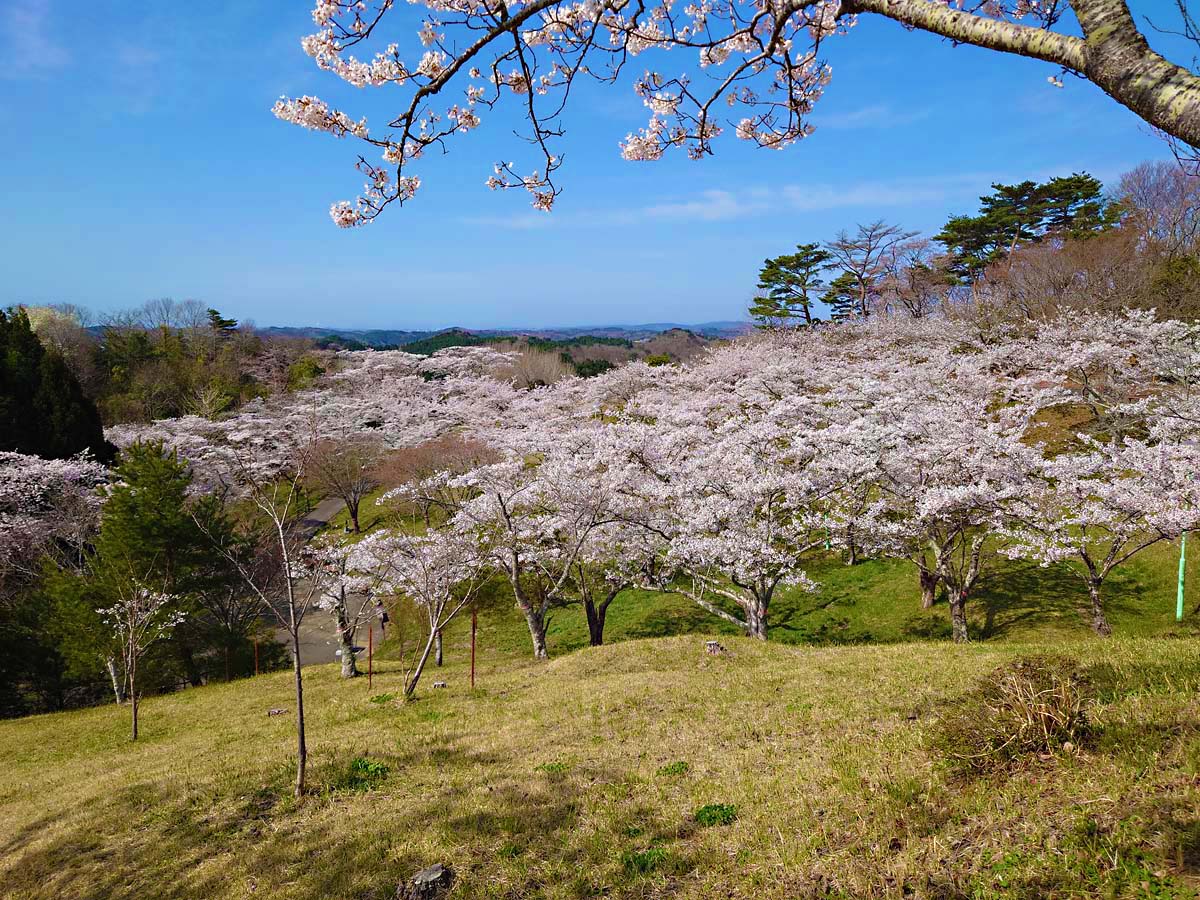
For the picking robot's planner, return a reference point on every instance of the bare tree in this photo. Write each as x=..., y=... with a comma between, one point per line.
x=865, y=257
x=346, y=467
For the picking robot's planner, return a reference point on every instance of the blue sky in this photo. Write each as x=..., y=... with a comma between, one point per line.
x=143, y=161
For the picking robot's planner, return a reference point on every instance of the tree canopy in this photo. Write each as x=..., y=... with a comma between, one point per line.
x=43, y=410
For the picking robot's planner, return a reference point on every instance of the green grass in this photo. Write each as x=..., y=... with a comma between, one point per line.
x=877, y=601
x=548, y=781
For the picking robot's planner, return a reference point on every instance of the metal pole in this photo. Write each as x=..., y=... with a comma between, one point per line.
x=474, y=621
x=1182, y=560
x=370, y=654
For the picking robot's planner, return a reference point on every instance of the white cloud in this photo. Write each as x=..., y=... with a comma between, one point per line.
x=25, y=37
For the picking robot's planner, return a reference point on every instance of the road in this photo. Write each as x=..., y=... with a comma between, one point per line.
x=318, y=634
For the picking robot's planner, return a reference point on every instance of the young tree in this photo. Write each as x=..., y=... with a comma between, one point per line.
x=138, y=618
x=345, y=466
x=790, y=283
x=766, y=64
x=441, y=572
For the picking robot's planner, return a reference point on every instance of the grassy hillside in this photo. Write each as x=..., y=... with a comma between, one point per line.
x=877, y=602
x=582, y=777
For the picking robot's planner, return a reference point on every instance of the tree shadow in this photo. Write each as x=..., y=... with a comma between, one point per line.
x=161, y=840
x=1023, y=596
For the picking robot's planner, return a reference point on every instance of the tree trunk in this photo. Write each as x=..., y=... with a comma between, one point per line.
x=118, y=684
x=958, y=616
x=851, y=547
x=416, y=675
x=595, y=620
x=1099, y=620
x=345, y=641
x=536, y=620
x=437, y=648
x=133, y=697
x=929, y=583
x=301, y=746
x=756, y=619
x=352, y=508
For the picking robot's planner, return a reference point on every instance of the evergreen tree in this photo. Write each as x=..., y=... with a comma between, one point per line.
x=790, y=283
x=152, y=534
x=43, y=410
x=220, y=325
x=1014, y=215
x=841, y=297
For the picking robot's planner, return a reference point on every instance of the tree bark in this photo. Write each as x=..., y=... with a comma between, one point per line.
x=756, y=619
x=536, y=621
x=437, y=649
x=301, y=746
x=595, y=620
x=929, y=584
x=1099, y=620
x=958, y=616
x=133, y=699
x=346, y=641
x=416, y=675
x=118, y=684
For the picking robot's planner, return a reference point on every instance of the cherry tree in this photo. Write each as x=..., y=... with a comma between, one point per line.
x=1094, y=510
x=441, y=572
x=949, y=440
x=47, y=506
x=760, y=62
x=139, y=617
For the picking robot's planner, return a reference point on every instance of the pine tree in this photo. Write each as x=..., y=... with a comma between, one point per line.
x=790, y=283
x=220, y=325
x=43, y=410
x=842, y=297
x=1014, y=215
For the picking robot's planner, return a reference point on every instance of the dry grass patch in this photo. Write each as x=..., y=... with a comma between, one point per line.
x=564, y=780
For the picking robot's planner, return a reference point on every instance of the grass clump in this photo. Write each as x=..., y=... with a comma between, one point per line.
x=361, y=775
x=670, y=770
x=716, y=814
x=1029, y=707
x=643, y=862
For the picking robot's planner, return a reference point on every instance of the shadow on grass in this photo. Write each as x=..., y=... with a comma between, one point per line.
x=248, y=835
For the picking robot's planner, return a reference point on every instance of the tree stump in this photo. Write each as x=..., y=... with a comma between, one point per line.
x=428, y=884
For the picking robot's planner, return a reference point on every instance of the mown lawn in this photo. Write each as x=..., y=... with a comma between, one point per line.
x=581, y=777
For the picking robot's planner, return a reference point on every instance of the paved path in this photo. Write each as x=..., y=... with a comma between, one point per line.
x=318, y=634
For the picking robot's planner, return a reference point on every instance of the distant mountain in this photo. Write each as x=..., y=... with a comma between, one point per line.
x=381, y=337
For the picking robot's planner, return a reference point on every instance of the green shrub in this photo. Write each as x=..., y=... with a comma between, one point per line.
x=361, y=775
x=303, y=372
x=643, y=862
x=658, y=359
x=716, y=814
x=1027, y=707
x=679, y=767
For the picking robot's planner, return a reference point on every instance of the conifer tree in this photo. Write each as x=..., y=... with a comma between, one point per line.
x=1014, y=215
x=43, y=410
x=790, y=283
